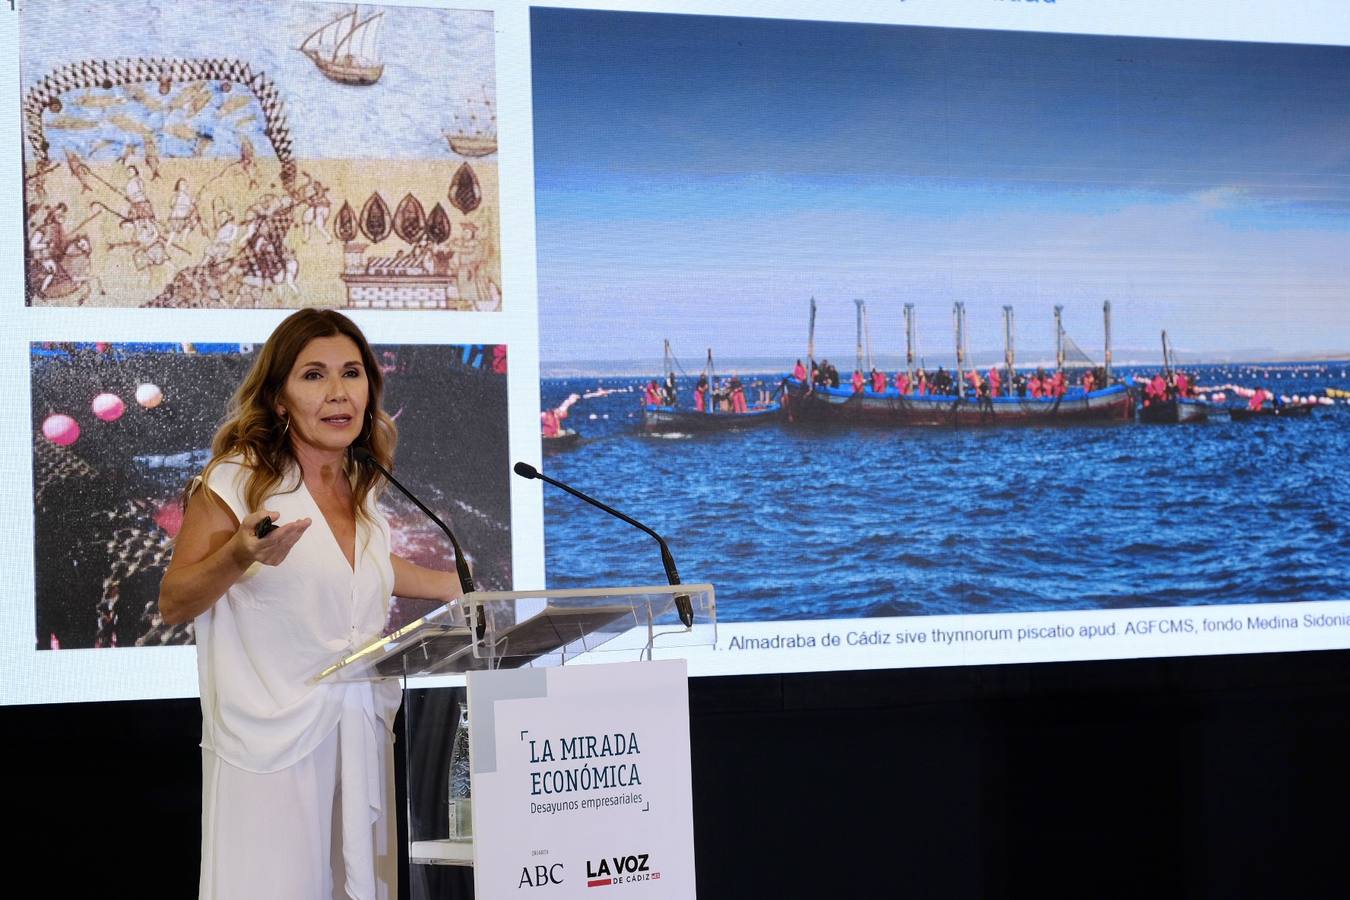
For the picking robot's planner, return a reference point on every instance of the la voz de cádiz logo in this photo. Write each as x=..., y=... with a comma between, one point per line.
x=626, y=869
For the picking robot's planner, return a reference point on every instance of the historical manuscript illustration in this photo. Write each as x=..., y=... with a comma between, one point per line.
x=214, y=155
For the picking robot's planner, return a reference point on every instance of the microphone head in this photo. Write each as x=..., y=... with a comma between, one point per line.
x=362, y=455
x=525, y=470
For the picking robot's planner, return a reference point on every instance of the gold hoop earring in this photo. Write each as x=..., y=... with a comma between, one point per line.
x=285, y=428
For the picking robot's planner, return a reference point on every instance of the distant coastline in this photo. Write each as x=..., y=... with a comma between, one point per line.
x=1126, y=357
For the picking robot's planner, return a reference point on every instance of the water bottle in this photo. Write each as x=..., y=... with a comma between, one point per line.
x=461, y=803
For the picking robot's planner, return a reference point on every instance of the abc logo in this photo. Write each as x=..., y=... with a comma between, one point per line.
x=539, y=876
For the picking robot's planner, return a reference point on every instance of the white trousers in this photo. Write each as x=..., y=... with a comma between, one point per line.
x=278, y=836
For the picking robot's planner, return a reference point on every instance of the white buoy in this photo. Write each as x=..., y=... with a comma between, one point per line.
x=149, y=395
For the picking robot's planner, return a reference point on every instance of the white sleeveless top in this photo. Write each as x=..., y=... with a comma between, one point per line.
x=279, y=626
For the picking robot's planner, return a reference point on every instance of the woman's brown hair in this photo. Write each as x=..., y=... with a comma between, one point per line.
x=254, y=431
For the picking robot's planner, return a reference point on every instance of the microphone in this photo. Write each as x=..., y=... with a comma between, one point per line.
x=362, y=455
x=683, y=604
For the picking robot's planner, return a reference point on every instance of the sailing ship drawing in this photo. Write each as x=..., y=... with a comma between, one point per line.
x=474, y=135
x=346, y=49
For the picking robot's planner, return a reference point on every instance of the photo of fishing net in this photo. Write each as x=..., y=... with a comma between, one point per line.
x=119, y=429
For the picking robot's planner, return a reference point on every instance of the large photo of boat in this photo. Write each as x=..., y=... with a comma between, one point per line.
x=279, y=155
x=977, y=322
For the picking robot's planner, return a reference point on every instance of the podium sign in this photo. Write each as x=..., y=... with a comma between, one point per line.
x=581, y=780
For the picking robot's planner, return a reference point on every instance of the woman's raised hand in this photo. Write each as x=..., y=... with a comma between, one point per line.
x=269, y=550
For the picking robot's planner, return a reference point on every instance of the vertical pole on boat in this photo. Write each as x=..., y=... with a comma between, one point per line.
x=1009, y=354
x=858, y=353
x=811, y=340
x=959, y=319
x=909, y=341
x=667, y=369
x=867, y=338
x=1059, y=337
x=1167, y=362
x=712, y=383
x=1106, y=317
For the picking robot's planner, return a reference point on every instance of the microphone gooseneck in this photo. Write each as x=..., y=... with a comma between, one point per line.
x=683, y=604
x=362, y=455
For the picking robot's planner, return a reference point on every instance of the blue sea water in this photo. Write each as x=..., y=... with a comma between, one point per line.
x=789, y=522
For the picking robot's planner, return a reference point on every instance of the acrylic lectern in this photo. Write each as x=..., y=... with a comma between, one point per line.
x=484, y=633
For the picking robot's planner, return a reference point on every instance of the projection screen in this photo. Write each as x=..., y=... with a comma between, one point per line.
x=930, y=334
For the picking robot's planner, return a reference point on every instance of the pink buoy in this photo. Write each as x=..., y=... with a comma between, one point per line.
x=108, y=407
x=149, y=395
x=61, y=430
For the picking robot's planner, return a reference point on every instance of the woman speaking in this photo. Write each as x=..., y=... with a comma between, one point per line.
x=284, y=562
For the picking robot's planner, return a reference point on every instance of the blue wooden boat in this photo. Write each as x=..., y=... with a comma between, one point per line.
x=1178, y=410
x=669, y=419
x=1172, y=410
x=677, y=418
x=891, y=408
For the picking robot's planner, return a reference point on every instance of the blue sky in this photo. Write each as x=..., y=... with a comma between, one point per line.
x=700, y=178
